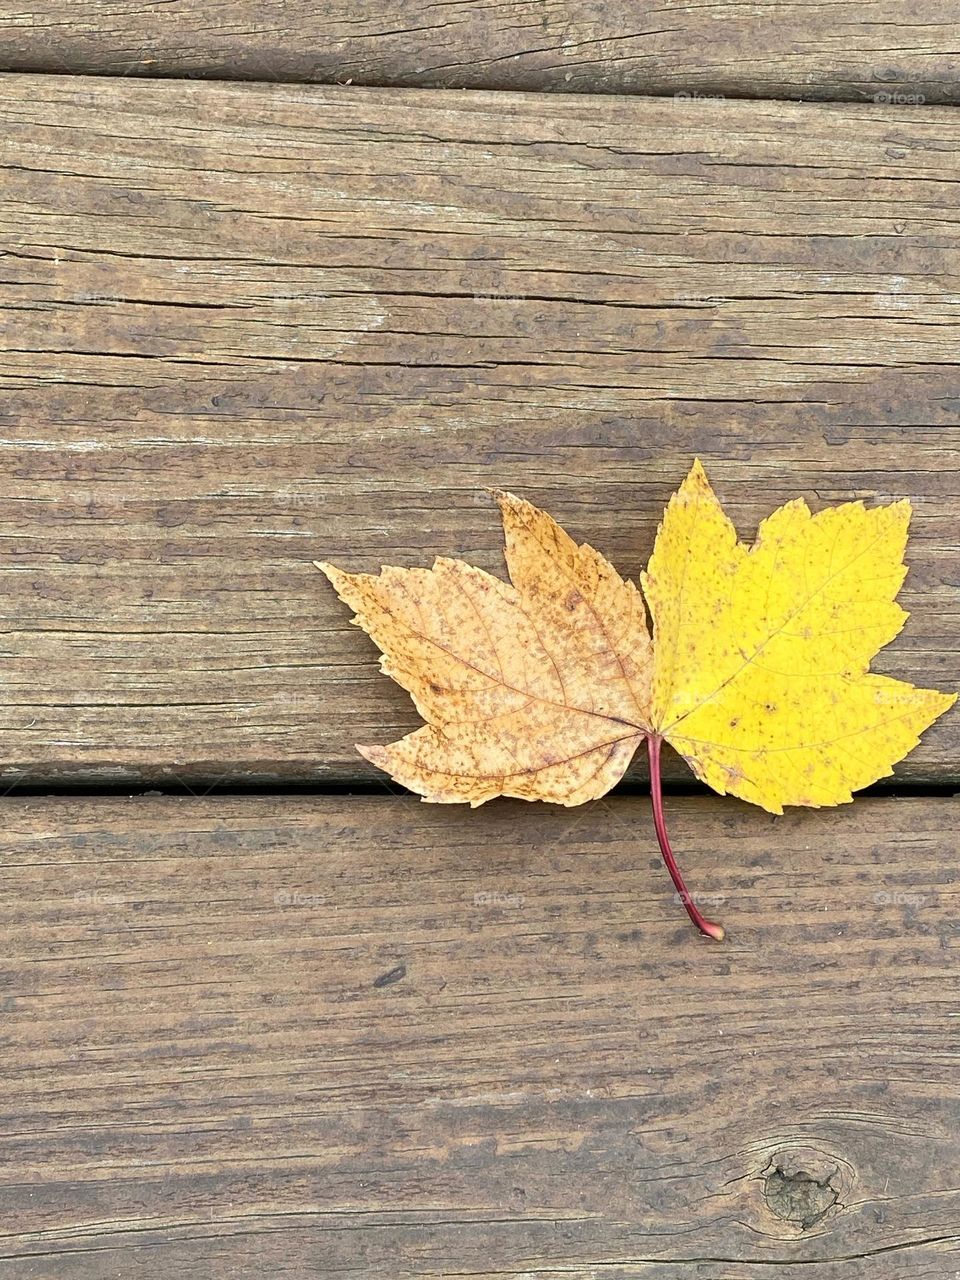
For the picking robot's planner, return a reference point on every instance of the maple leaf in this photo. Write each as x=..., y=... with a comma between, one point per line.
x=761, y=679
x=757, y=675
x=539, y=689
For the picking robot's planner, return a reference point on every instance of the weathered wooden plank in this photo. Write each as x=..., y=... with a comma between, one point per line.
x=814, y=50
x=246, y=328
x=244, y=1037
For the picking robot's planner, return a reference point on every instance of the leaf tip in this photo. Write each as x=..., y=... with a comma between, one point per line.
x=376, y=755
x=505, y=499
x=698, y=475
x=338, y=578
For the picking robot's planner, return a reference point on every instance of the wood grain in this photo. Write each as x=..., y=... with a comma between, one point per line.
x=851, y=51
x=251, y=1037
x=244, y=328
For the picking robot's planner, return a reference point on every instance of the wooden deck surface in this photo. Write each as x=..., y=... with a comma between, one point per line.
x=247, y=327
x=247, y=323
x=325, y=1035
x=850, y=50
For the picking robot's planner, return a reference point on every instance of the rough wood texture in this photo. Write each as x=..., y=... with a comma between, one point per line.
x=244, y=328
x=248, y=1038
x=851, y=50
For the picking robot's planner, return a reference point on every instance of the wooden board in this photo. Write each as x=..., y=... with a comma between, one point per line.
x=248, y=327
x=814, y=50
x=254, y=1037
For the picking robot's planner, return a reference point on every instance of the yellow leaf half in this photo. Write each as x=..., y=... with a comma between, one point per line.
x=539, y=689
x=761, y=655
